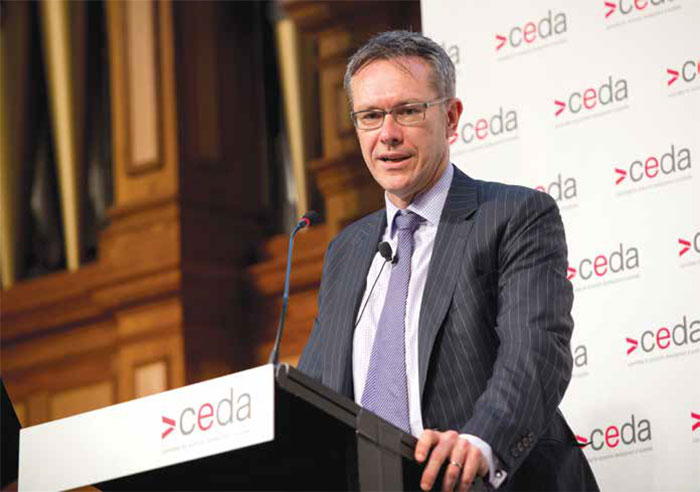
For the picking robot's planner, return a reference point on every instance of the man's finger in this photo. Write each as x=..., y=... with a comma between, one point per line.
x=427, y=440
x=442, y=450
x=474, y=462
x=455, y=464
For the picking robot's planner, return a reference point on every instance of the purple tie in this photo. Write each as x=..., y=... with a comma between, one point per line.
x=386, y=387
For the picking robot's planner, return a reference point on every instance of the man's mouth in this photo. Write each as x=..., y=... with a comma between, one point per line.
x=393, y=158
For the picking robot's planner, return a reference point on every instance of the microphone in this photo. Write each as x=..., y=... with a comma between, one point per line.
x=386, y=252
x=308, y=219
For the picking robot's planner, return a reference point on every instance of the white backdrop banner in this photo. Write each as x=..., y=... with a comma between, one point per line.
x=598, y=104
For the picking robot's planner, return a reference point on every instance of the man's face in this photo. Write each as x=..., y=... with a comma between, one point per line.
x=404, y=160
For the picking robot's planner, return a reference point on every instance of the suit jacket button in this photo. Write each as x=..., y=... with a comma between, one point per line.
x=520, y=447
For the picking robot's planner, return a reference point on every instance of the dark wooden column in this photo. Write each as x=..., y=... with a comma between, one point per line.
x=223, y=173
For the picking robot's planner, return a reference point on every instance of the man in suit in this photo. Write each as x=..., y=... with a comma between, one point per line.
x=464, y=339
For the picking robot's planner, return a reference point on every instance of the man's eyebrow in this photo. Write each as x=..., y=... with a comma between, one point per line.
x=400, y=103
x=408, y=101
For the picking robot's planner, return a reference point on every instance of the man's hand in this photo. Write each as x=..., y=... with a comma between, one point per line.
x=457, y=451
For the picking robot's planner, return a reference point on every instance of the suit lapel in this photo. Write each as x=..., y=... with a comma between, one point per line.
x=361, y=251
x=448, y=251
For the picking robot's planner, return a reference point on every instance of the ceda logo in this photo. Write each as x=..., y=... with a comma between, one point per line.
x=227, y=411
x=624, y=434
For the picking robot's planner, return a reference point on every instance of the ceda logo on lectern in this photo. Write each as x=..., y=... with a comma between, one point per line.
x=230, y=410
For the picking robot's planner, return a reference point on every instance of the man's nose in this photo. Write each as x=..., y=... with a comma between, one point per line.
x=391, y=132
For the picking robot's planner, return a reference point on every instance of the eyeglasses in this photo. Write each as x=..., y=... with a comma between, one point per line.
x=404, y=114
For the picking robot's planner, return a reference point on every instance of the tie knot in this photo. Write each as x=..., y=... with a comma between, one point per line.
x=407, y=221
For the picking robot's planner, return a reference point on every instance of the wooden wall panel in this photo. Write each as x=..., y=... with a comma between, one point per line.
x=338, y=131
x=155, y=317
x=78, y=400
x=112, y=330
x=143, y=102
x=142, y=86
x=135, y=351
x=151, y=378
x=162, y=359
x=173, y=298
x=21, y=411
x=53, y=348
x=45, y=391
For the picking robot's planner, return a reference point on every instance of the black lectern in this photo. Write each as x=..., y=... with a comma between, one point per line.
x=9, y=442
x=323, y=441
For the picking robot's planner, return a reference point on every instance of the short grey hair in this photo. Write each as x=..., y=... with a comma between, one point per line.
x=390, y=45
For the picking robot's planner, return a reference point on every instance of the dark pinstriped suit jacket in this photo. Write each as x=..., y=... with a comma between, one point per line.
x=494, y=329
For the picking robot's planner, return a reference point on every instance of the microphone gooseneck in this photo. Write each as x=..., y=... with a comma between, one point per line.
x=308, y=219
x=388, y=255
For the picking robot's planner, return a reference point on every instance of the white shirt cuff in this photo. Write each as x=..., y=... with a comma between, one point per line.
x=496, y=474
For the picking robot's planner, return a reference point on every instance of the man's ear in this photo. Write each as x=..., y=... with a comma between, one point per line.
x=454, y=112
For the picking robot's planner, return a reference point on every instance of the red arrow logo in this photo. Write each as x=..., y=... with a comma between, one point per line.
x=582, y=440
x=674, y=74
x=561, y=107
x=170, y=423
x=633, y=344
x=622, y=175
x=696, y=416
x=685, y=246
x=570, y=273
x=611, y=9
x=501, y=41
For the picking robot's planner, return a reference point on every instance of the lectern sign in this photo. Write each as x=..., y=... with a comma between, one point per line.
x=200, y=420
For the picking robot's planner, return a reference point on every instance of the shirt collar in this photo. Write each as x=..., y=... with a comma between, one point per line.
x=428, y=204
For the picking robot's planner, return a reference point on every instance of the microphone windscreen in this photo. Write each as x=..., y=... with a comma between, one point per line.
x=312, y=216
x=385, y=250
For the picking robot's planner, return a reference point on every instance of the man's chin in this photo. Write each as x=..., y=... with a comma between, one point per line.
x=401, y=193
x=394, y=186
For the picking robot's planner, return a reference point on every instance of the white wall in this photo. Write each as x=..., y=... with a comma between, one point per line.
x=610, y=65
